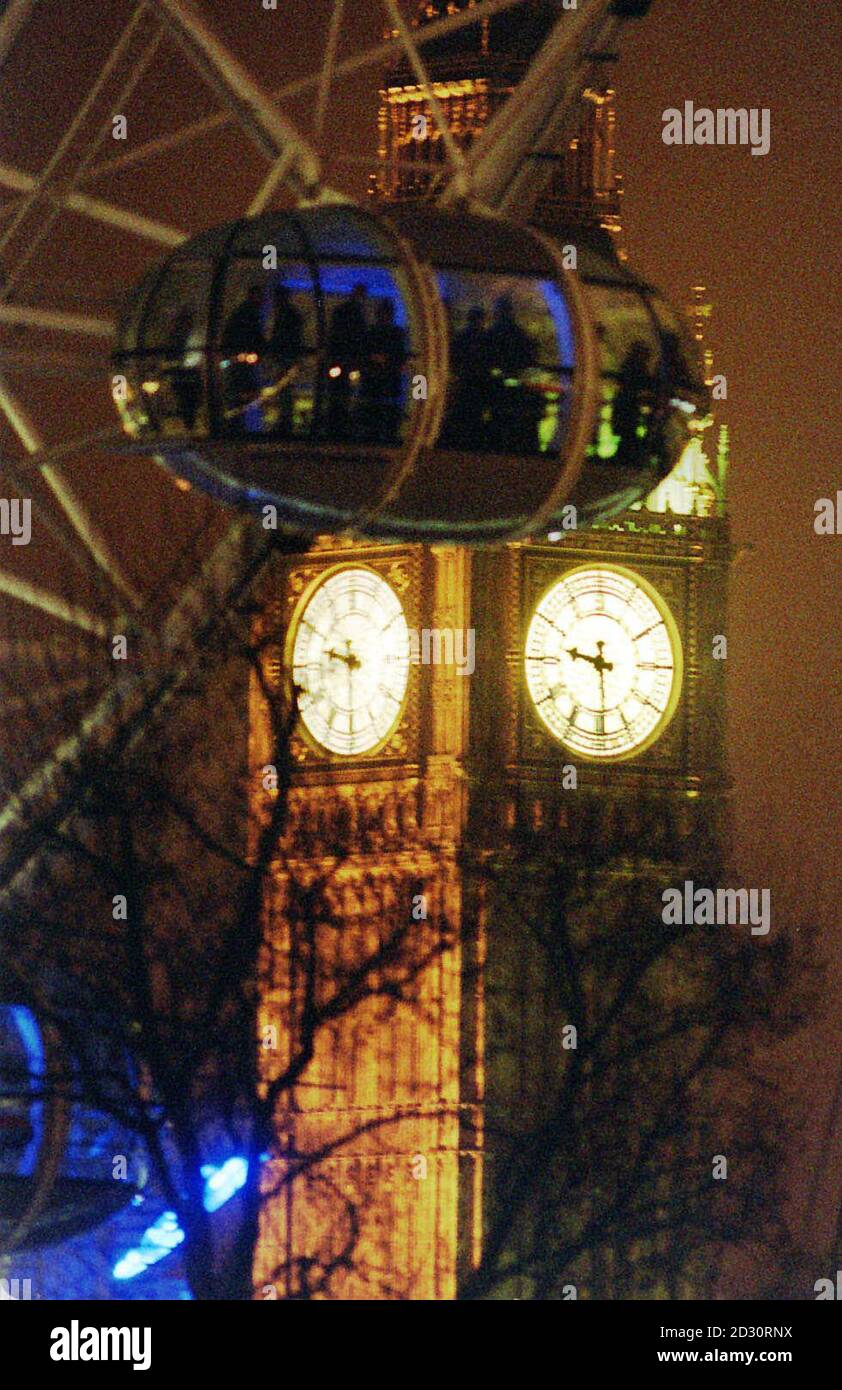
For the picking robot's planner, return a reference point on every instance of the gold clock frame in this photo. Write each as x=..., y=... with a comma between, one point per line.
x=318, y=580
x=665, y=612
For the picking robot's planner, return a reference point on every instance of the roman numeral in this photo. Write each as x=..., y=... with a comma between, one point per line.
x=553, y=625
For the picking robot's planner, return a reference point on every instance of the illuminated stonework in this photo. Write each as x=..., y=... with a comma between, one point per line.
x=407, y=1105
x=696, y=486
x=383, y=1096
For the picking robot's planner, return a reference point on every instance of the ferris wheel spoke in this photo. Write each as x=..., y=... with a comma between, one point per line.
x=65, y=537
x=33, y=316
x=97, y=439
x=98, y=209
x=51, y=793
x=278, y=172
x=12, y=21
x=38, y=649
x=58, y=690
x=47, y=602
x=273, y=180
x=72, y=507
x=504, y=167
x=120, y=102
x=326, y=76
x=255, y=111
x=378, y=53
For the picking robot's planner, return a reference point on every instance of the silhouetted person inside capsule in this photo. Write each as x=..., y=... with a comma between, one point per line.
x=285, y=347
x=468, y=418
x=186, y=382
x=242, y=345
x=345, y=351
x=382, y=377
x=633, y=398
x=674, y=376
x=674, y=367
x=515, y=410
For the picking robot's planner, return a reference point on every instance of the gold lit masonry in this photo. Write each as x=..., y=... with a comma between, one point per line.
x=603, y=662
x=350, y=660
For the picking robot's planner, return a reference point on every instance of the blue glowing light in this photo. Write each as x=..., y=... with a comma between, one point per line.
x=23, y=1020
x=165, y=1234
x=162, y=1237
x=222, y=1183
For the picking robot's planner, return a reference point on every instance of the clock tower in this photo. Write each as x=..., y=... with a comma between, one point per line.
x=451, y=703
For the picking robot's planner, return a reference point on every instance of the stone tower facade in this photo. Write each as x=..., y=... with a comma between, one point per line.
x=403, y=1103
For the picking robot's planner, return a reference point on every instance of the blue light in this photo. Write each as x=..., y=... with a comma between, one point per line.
x=162, y=1237
x=165, y=1234
x=23, y=1020
x=222, y=1183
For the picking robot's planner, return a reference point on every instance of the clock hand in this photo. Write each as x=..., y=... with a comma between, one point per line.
x=599, y=660
x=580, y=656
x=350, y=660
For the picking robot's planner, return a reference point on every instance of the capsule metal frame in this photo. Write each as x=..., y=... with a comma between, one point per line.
x=413, y=489
x=50, y=1204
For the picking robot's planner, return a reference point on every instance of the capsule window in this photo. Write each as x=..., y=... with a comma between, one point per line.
x=630, y=358
x=344, y=233
x=370, y=354
x=323, y=359
x=511, y=364
x=168, y=380
x=266, y=354
x=678, y=351
x=23, y=1113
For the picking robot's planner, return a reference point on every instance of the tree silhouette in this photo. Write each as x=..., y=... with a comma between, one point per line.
x=636, y=1128
x=144, y=918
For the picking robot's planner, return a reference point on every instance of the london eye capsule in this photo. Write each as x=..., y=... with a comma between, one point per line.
x=57, y=1152
x=411, y=373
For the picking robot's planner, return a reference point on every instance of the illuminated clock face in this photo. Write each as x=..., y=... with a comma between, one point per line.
x=350, y=661
x=603, y=662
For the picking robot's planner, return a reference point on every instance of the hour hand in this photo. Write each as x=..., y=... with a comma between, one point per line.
x=350, y=659
x=580, y=656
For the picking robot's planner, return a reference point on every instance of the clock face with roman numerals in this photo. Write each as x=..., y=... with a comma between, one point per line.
x=350, y=661
x=603, y=662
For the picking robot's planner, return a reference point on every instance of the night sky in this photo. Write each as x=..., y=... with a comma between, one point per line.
x=760, y=232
